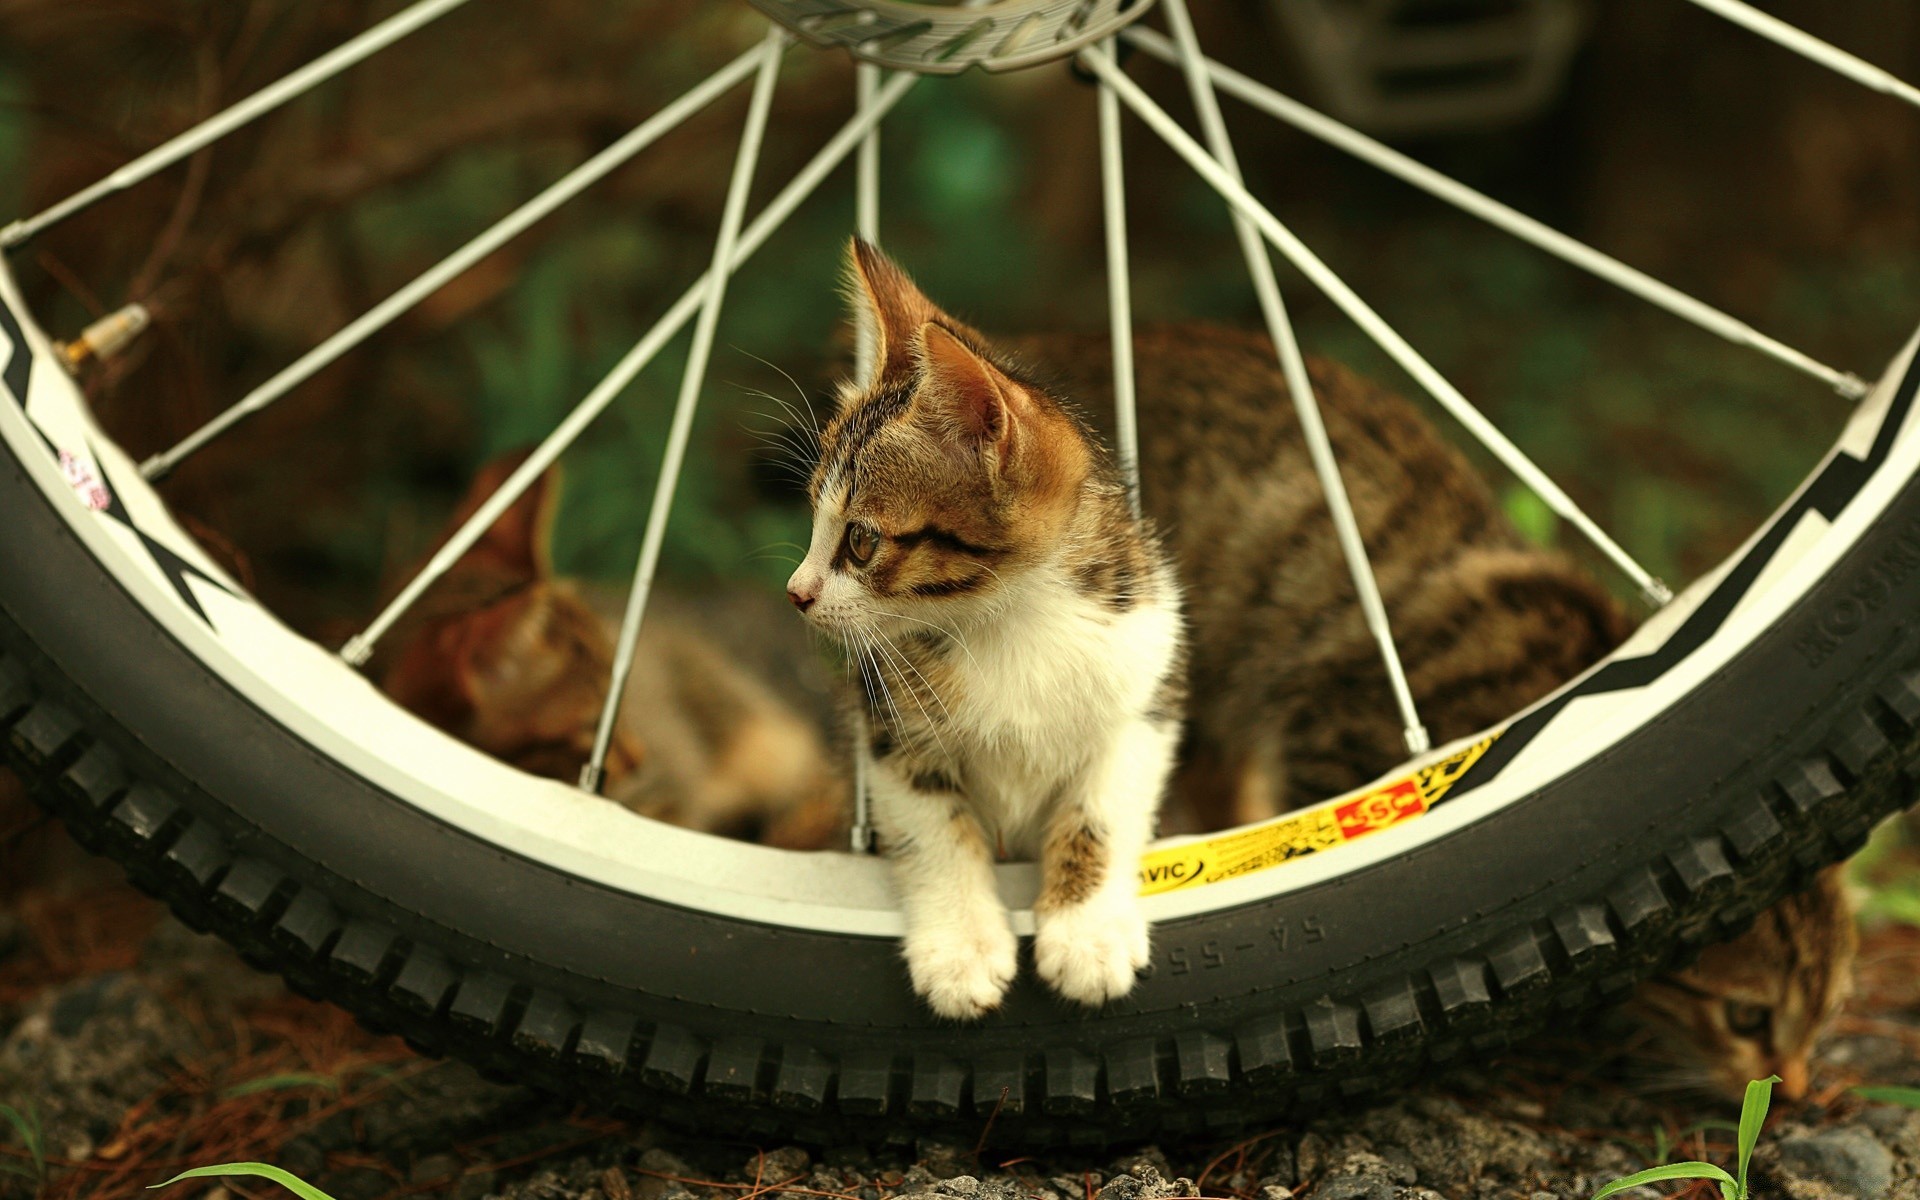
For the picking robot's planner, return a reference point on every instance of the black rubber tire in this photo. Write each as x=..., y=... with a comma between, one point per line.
x=1776, y=766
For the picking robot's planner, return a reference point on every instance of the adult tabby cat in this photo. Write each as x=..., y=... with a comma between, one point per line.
x=1018, y=632
x=514, y=660
x=1754, y=1006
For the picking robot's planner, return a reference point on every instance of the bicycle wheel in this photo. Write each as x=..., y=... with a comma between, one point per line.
x=1751, y=731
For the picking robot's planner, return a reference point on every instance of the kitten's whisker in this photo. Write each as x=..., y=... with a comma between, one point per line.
x=957, y=639
x=900, y=656
x=798, y=391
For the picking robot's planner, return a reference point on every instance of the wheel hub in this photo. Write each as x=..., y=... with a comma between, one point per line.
x=945, y=39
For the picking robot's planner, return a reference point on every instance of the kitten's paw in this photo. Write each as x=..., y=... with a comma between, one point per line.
x=1091, y=952
x=963, y=973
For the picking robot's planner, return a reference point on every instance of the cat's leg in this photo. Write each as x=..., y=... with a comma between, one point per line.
x=1091, y=938
x=960, y=950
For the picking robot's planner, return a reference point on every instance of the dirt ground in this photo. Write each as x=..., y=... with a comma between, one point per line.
x=140, y=1048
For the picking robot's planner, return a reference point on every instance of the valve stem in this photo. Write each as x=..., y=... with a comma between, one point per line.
x=104, y=338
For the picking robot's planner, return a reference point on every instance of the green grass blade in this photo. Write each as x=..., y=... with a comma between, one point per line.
x=1753, y=1114
x=287, y=1180
x=27, y=1125
x=276, y=1083
x=1679, y=1170
x=1905, y=1097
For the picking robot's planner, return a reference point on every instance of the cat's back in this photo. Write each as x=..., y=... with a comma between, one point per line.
x=1485, y=622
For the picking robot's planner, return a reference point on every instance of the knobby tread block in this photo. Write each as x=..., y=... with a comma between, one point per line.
x=1857, y=743
x=1202, y=1061
x=1460, y=984
x=1755, y=832
x=606, y=1041
x=481, y=1003
x=41, y=735
x=1333, y=1032
x=673, y=1061
x=198, y=854
x=142, y=813
x=1809, y=784
x=1583, y=931
x=733, y=1068
x=939, y=1086
x=247, y=889
x=1901, y=695
x=546, y=1027
x=1262, y=1047
x=1393, y=1013
x=425, y=981
x=1072, y=1081
x=1702, y=866
x=1133, y=1075
x=803, y=1079
x=1000, y=1085
x=307, y=924
x=95, y=779
x=866, y=1083
x=361, y=951
x=1518, y=965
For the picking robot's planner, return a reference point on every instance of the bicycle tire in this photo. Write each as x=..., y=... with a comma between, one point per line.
x=1776, y=764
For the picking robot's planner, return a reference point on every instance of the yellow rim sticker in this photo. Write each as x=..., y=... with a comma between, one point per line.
x=1244, y=851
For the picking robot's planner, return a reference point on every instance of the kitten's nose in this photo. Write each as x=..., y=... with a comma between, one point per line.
x=801, y=595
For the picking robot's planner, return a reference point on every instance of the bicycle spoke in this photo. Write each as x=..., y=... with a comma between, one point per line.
x=360, y=647
x=866, y=196
x=1113, y=187
x=1318, y=125
x=866, y=221
x=691, y=379
x=234, y=116
x=512, y=225
x=1807, y=46
x=1370, y=322
x=1313, y=429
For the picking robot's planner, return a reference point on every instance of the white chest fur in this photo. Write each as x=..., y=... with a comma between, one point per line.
x=1045, y=687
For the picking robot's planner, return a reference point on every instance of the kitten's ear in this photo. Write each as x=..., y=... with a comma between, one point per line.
x=520, y=542
x=887, y=310
x=968, y=398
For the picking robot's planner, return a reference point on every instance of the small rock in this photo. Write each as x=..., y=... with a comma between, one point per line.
x=1354, y=1187
x=1273, y=1191
x=1847, y=1158
x=1148, y=1158
x=942, y=1160
x=960, y=1185
x=1146, y=1183
x=778, y=1166
x=613, y=1181
x=655, y=1164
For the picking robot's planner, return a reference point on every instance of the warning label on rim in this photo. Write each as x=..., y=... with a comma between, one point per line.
x=1295, y=835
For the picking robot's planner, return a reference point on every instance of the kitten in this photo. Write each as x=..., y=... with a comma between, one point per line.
x=1018, y=631
x=1755, y=1006
x=1290, y=703
x=505, y=656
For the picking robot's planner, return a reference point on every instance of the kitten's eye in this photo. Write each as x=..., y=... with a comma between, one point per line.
x=1747, y=1020
x=861, y=543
